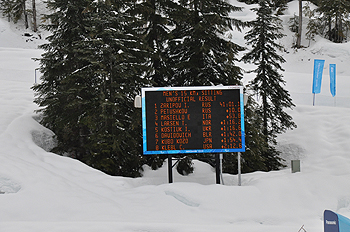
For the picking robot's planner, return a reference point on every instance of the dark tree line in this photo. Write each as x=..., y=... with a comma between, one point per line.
x=16, y=9
x=100, y=54
x=330, y=20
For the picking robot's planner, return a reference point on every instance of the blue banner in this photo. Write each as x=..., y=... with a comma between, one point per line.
x=332, y=75
x=317, y=80
x=334, y=222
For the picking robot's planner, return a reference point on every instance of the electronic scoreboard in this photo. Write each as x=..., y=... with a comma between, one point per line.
x=207, y=119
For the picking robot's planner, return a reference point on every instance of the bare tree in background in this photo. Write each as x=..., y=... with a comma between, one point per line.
x=298, y=45
x=35, y=27
x=25, y=14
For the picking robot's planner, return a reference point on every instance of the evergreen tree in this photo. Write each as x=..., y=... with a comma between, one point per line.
x=200, y=51
x=6, y=8
x=155, y=29
x=119, y=56
x=339, y=11
x=252, y=159
x=158, y=20
x=277, y=5
x=201, y=55
x=92, y=69
x=325, y=14
x=15, y=10
x=65, y=81
x=95, y=64
x=331, y=16
x=268, y=82
x=314, y=26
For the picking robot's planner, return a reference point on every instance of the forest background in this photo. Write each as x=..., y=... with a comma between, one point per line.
x=101, y=53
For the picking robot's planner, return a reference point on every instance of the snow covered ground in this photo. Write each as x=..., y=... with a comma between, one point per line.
x=44, y=192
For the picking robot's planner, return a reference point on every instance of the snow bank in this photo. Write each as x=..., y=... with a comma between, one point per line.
x=41, y=191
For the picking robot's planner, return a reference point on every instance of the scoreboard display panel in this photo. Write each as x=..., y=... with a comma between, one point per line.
x=178, y=120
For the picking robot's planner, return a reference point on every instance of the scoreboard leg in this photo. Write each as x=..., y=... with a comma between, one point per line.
x=170, y=168
x=239, y=169
x=217, y=167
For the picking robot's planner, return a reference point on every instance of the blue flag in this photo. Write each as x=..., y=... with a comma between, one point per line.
x=318, y=70
x=332, y=71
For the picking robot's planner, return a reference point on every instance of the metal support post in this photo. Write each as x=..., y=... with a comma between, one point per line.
x=239, y=169
x=35, y=79
x=217, y=167
x=222, y=178
x=170, y=169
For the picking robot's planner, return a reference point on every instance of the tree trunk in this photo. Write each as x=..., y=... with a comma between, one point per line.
x=264, y=105
x=35, y=28
x=300, y=23
x=330, y=28
x=25, y=14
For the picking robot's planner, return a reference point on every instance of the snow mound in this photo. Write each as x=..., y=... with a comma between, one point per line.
x=332, y=50
x=8, y=186
x=56, y=193
x=44, y=138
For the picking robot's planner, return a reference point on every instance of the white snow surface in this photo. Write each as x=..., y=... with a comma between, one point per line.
x=41, y=191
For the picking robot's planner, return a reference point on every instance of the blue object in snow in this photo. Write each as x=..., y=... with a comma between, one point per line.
x=332, y=75
x=334, y=222
x=317, y=80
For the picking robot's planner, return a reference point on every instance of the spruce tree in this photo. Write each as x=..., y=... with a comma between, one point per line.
x=268, y=83
x=200, y=52
x=277, y=5
x=92, y=69
x=252, y=159
x=65, y=81
x=15, y=10
x=314, y=26
x=6, y=7
x=339, y=11
x=201, y=55
x=157, y=16
x=155, y=29
x=119, y=62
x=331, y=18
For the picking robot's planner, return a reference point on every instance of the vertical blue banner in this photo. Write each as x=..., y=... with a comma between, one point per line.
x=332, y=75
x=317, y=80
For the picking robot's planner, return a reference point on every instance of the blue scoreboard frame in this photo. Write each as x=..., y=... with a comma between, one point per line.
x=183, y=120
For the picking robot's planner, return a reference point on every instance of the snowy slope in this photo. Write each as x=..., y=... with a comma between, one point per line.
x=45, y=192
